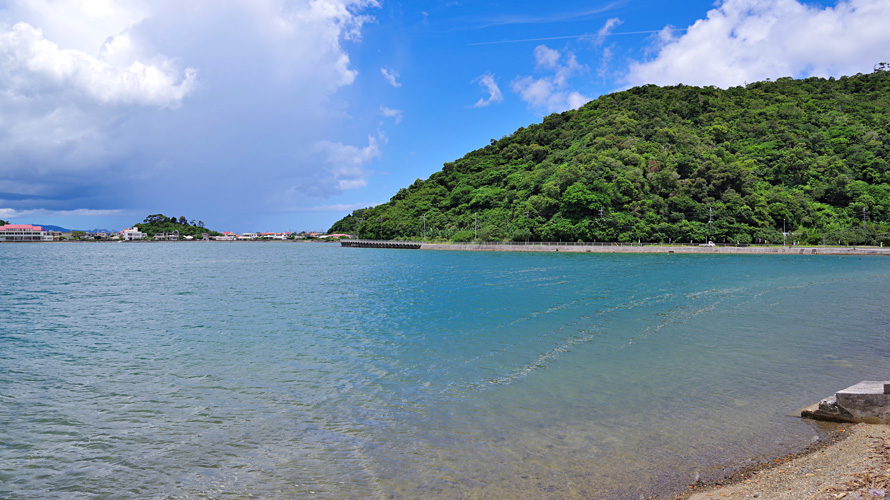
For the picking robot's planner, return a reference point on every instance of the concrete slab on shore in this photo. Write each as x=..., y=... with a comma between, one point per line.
x=868, y=401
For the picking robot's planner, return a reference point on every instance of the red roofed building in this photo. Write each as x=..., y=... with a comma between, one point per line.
x=24, y=232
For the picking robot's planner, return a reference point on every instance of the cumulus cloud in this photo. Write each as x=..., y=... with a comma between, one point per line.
x=551, y=93
x=395, y=114
x=749, y=40
x=344, y=168
x=102, y=94
x=546, y=57
x=391, y=76
x=488, y=82
x=31, y=66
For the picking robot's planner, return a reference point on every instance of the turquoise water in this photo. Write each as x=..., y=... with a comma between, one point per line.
x=279, y=370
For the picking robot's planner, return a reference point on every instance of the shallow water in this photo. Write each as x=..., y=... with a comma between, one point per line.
x=285, y=370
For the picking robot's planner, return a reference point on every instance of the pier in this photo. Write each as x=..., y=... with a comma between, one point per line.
x=409, y=245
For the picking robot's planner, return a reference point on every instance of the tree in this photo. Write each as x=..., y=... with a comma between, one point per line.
x=159, y=223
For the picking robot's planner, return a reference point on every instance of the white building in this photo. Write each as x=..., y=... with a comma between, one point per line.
x=132, y=234
x=24, y=232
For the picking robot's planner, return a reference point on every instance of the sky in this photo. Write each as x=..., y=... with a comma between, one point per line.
x=286, y=115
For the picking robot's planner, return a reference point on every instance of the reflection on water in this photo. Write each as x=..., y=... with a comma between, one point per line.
x=298, y=370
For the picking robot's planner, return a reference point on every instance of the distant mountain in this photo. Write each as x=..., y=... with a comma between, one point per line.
x=53, y=228
x=50, y=227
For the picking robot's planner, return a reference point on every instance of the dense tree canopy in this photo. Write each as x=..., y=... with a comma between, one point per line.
x=159, y=223
x=658, y=164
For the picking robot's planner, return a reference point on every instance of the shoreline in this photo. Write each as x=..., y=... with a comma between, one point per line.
x=853, y=460
x=618, y=248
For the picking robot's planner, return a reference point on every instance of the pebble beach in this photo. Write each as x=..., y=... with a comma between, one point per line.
x=853, y=464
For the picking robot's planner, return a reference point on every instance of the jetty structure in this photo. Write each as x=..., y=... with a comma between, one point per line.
x=866, y=402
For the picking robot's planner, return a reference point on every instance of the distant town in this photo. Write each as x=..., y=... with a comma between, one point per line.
x=32, y=233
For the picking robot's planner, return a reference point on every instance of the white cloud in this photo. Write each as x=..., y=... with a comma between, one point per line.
x=750, y=40
x=344, y=168
x=546, y=57
x=33, y=66
x=606, y=60
x=488, y=82
x=551, y=93
x=576, y=99
x=395, y=114
x=391, y=76
x=606, y=30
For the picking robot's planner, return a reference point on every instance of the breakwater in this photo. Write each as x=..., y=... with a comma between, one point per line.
x=617, y=248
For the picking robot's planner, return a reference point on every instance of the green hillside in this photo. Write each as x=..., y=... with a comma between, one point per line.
x=160, y=223
x=657, y=163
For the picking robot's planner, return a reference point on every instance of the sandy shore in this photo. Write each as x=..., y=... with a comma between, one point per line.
x=853, y=464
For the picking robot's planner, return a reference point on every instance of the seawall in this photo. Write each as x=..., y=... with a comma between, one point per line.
x=617, y=248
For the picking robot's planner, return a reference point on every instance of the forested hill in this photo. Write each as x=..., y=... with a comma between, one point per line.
x=657, y=163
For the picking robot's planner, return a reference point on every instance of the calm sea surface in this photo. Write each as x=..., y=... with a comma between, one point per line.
x=284, y=370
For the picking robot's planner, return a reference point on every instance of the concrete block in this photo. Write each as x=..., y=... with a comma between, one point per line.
x=867, y=401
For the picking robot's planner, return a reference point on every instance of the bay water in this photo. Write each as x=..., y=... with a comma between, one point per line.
x=296, y=370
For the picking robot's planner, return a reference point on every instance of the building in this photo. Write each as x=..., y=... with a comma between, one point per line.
x=174, y=236
x=24, y=232
x=274, y=236
x=132, y=234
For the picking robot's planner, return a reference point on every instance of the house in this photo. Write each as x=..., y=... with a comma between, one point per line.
x=174, y=236
x=129, y=234
x=24, y=232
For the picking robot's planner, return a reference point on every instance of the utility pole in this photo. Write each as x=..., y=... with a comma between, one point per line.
x=783, y=233
x=475, y=227
x=424, y=227
x=380, y=220
x=864, y=216
x=526, y=218
x=710, y=218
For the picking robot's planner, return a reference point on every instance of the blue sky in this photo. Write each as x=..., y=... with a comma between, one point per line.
x=274, y=115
